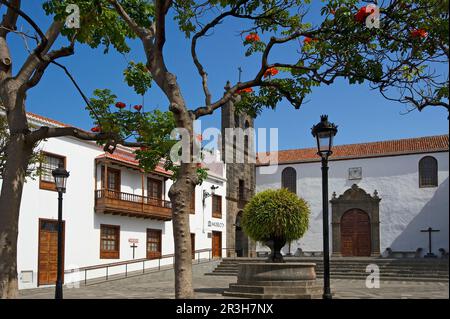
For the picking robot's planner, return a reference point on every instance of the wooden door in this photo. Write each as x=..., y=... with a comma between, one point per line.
x=154, y=191
x=355, y=233
x=48, y=251
x=154, y=187
x=216, y=244
x=112, y=182
x=193, y=245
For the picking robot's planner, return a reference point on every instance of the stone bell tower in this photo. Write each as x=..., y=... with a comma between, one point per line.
x=240, y=170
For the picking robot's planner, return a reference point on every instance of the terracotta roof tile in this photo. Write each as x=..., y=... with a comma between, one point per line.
x=120, y=155
x=46, y=119
x=128, y=157
x=426, y=144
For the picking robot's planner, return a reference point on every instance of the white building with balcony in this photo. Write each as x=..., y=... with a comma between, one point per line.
x=113, y=213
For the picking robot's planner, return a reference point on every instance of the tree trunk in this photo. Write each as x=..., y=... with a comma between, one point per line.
x=180, y=196
x=19, y=153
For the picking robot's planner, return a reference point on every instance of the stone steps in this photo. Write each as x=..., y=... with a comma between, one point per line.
x=355, y=268
x=274, y=290
x=360, y=269
x=237, y=294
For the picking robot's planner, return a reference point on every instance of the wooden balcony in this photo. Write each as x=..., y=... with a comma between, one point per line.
x=118, y=203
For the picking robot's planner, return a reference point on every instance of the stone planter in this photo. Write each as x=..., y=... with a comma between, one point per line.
x=276, y=281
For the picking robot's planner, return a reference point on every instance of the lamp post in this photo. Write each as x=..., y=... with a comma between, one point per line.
x=206, y=194
x=324, y=132
x=60, y=175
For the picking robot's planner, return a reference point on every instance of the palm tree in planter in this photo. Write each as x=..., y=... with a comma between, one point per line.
x=275, y=217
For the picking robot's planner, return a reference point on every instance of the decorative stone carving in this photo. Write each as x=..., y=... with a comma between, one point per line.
x=356, y=198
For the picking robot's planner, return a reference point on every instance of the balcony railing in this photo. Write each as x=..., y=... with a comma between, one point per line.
x=118, y=203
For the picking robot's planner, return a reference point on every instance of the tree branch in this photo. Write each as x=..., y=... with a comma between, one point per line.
x=33, y=60
x=141, y=32
x=161, y=9
x=202, y=33
x=50, y=58
x=111, y=141
x=209, y=109
x=10, y=18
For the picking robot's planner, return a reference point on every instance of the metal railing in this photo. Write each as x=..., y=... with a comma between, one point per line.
x=108, y=266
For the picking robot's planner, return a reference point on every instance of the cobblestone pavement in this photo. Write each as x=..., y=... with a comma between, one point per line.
x=160, y=285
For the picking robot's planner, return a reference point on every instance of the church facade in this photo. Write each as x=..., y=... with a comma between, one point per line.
x=384, y=196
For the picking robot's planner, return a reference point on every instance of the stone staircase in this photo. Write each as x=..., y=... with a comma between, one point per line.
x=355, y=268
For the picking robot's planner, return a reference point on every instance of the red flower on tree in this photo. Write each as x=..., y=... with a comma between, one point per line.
x=137, y=107
x=252, y=37
x=120, y=105
x=95, y=129
x=270, y=72
x=362, y=14
x=246, y=90
x=419, y=33
x=309, y=40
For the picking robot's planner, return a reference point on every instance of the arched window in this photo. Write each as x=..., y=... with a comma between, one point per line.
x=428, y=172
x=289, y=179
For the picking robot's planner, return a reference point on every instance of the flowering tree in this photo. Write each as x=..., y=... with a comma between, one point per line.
x=97, y=27
x=398, y=58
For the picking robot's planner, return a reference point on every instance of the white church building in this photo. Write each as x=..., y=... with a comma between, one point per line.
x=382, y=196
x=113, y=213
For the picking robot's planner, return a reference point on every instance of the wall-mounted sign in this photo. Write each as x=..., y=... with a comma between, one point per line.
x=216, y=224
x=355, y=173
x=133, y=240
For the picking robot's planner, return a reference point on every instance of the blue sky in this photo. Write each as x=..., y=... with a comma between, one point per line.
x=362, y=115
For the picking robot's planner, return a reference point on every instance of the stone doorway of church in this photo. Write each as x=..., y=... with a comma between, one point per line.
x=241, y=240
x=355, y=233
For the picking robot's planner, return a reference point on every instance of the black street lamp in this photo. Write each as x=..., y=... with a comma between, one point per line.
x=324, y=132
x=206, y=194
x=60, y=175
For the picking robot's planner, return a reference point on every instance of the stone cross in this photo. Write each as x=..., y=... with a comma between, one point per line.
x=429, y=231
x=134, y=247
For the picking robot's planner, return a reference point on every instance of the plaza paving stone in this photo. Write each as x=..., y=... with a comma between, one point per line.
x=158, y=285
